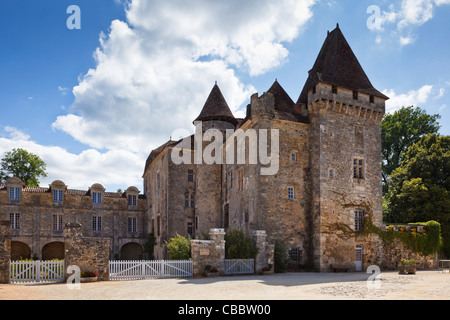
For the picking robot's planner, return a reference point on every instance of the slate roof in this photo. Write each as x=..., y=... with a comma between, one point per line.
x=216, y=108
x=337, y=64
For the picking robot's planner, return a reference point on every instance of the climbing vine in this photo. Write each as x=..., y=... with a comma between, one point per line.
x=425, y=243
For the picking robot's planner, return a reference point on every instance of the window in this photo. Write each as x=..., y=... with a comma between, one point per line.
x=359, y=215
x=331, y=173
x=314, y=89
x=132, y=200
x=196, y=222
x=14, y=193
x=190, y=175
x=192, y=200
x=158, y=181
x=189, y=229
x=132, y=224
x=96, y=224
x=293, y=157
x=334, y=89
x=57, y=222
x=96, y=197
x=358, y=166
x=14, y=219
x=240, y=180
x=355, y=95
x=372, y=99
x=230, y=180
x=291, y=193
x=186, y=200
x=57, y=196
x=158, y=226
x=295, y=255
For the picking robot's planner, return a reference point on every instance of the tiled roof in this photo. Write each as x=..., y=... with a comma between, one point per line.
x=72, y=192
x=216, y=108
x=337, y=64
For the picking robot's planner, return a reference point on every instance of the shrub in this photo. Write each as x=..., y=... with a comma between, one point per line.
x=239, y=246
x=281, y=260
x=179, y=248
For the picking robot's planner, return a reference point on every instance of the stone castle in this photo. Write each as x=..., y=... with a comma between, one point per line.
x=329, y=172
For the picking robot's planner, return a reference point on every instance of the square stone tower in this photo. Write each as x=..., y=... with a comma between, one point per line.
x=345, y=113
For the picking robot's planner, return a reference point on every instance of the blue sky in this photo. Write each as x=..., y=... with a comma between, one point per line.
x=94, y=102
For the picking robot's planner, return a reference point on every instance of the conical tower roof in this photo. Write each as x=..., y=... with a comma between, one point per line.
x=282, y=100
x=216, y=108
x=338, y=65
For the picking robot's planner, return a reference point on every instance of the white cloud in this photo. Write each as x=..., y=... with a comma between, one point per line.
x=154, y=72
x=409, y=15
x=80, y=171
x=440, y=94
x=412, y=98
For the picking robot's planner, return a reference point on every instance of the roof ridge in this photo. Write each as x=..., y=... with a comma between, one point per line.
x=216, y=108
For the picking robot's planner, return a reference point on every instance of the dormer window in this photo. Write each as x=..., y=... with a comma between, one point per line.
x=334, y=89
x=132, y=200
x=58, y=195
x=14, y=193
x=96, y=197
x=355, y=95
x=372, y=99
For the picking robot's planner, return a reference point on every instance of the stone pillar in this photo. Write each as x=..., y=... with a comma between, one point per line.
x=5, y=250
x=265, y=256
x=209, y=252
x=89, y=254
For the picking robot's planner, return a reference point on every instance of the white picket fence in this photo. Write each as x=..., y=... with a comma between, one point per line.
x=27, y=271
x=150, y=269
x=239, y=266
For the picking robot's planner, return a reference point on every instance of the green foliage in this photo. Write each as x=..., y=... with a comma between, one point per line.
x=419, y=189
x=21, y=164
x=281, y=260
x=149, y=246
x=399, y=131
x=179, y=248
x=239, y=246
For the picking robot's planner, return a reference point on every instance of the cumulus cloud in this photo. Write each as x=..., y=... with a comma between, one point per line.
x=154, y=72
x=408, y=15
x=412, y=98
x=79, y=171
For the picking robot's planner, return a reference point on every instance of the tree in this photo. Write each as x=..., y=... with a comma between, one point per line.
x=419, y=189
x=399, y=131
x=21, y=164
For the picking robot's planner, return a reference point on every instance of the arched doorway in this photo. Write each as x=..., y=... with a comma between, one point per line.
x=132, y=251
x=20, y=251
x=53, y=250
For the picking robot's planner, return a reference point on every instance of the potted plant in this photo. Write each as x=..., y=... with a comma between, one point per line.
x=407, y=266
x=402, y=228
x=389, y=228
x=267, y=270
x=88, y=276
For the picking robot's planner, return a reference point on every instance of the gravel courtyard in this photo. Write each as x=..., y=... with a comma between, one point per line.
x=424, y=285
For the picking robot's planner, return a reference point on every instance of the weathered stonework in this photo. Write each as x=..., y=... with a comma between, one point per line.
x=265, y=256
x=209, y=253
x=5, y=250
x=89, y=254
x=38, y=230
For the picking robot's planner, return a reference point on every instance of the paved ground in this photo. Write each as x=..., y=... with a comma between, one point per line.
x=288, y=286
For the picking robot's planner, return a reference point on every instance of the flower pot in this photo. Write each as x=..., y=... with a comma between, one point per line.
x=402, y=269
x=212, y=274
x=411, y=269
x=88, y=279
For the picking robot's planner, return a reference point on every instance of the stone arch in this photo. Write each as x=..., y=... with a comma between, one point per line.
x=20, y=250
x=132, y=251
x=53, y=250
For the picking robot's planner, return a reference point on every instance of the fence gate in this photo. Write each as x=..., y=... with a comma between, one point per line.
x=239, y=266
x=150, y=269
x=36, y=271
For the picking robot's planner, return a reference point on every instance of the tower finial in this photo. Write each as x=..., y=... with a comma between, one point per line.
x=337, y=25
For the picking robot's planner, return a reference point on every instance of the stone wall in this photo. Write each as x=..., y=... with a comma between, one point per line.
x=396, y=251
x=265, y=256
x=5, y=250
x=89, y=254
x=209, y=252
